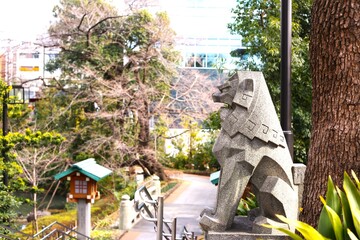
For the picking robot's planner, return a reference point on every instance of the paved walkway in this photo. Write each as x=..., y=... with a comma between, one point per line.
x=186, y=203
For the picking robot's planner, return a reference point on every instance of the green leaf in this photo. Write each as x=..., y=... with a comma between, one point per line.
x=333, y=201
x=306, y=230
x=356, y=218
x=334, y=219
x=346, y=212
x=353, y=195
x=286, y=231
x=351, y=235
x=355, y=178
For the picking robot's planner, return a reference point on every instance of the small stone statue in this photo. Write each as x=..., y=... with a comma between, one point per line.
x=251, y=148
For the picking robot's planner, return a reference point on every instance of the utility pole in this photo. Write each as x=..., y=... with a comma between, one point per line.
x=5, y=127
x=285, y=107
x=5, y=130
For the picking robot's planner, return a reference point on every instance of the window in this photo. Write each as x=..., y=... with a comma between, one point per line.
x=80, y=187
x=196, y=60
x=29, y=55
x=52, y=56
x=212, y=59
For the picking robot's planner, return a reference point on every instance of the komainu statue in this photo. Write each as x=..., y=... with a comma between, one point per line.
x=250, y=148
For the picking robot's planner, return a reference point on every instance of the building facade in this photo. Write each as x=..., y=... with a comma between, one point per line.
x=24, y=64
x=202, y=34
x=201, y=27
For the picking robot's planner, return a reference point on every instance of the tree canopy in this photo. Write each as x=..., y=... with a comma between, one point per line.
x=116, y=73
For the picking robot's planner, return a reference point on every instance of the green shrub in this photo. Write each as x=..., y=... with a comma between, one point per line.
x=169, y=186
x=204, y=158
x=340, y=216
x=128, y=189
x=179, y=161
x=70, y=206
x=105, y=234
x=246, y=205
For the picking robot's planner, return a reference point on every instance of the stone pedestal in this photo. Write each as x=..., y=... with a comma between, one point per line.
x=243, y=236
x=242, y=228
x=298, y=171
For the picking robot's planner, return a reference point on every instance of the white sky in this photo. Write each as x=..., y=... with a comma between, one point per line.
x=25, y=19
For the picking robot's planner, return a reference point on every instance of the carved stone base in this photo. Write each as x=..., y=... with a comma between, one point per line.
x=243, y=236
x=242, y=228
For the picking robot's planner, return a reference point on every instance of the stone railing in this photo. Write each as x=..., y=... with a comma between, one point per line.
x=128, y=214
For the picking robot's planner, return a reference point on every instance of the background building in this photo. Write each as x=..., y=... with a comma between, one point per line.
x=203, y=37
x=23, y=63
x=31, y=61
x=202, y=34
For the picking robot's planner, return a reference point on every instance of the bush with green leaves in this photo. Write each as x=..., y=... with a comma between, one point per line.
x=200, y=157
x=246, y=204
x=204, y=158
x=339, y=218
x=193, y=148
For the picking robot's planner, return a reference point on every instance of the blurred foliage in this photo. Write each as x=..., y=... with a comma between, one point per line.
x=168, y=186
x=246, y=204
x=20, y=137
x=339, y=218
x=193, y=148
x=212, y=122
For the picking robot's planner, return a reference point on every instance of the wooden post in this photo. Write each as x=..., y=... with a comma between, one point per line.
x=84, y=218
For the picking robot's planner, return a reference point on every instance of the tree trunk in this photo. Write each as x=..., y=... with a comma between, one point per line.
x=153, y=166
x=35, y=213
x=147, y=158
x=335, y=64
x=35, y=189
x=144, y=131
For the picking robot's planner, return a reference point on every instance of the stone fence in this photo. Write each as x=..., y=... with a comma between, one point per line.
x=128, y=215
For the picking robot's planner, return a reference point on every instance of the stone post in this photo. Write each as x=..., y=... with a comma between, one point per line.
x=139, y=178
x=84, y=218
x=126, y=213
x=298, y=171
x=157, y=185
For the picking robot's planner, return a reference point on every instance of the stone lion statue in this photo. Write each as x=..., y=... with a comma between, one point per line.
x=250, y=148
